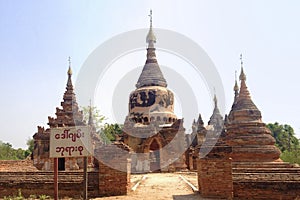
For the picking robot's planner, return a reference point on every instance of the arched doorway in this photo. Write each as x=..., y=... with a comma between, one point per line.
x=154, y=156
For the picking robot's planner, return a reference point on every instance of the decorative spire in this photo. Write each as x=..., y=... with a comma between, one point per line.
x=243, y=102
x=215, y=99
x=216, y=109
x=200, y=121
x=216, y=119
x=244, y=93
x=150, y=39
x=151, y=74
x=69, y=115
x=69, y=70
x=91, y=121
x=236, y=88
x=242, y=75
x=69, y=82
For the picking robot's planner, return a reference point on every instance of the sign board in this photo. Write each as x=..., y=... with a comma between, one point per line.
x=70, y=142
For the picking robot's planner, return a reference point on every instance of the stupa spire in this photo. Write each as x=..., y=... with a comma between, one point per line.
x=69, y=70
x=216, y=118
x=91, y=121
x=150, y=39
x=69, y=82
x=244, y=93
x=236, y=88
x=69, y=115
x=200, y=121
x=215, y=100
x=216, y=109
x=151, y=74
x=243, y=102
x=242, y=75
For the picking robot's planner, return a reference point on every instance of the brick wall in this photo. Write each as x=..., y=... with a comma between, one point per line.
x=38, y=183
x=17, y=165
x=215, y=174
x=113, y=182
x=112, y=178
x=114, y=169
x=267, y=190
x=273, y=181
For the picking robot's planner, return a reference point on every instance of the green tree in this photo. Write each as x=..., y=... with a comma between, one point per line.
x=284, y=136
x=107, y=132
x=30, y=147
x=110, y=132
x=98, y=119
x=291, y=157
x=7, y=152
x=286, y=141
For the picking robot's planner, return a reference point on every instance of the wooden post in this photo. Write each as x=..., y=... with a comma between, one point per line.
x=85, y=178
x=55, y=178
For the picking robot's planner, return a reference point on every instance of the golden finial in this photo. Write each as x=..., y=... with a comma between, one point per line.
x=69, y=70
x=242, y=75
x=150, y=37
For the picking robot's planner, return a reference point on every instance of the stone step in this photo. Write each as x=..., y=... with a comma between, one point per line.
x=267, y=177
x=266, y=170
x=263, y=165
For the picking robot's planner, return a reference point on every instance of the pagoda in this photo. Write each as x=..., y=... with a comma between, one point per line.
x=151, y=124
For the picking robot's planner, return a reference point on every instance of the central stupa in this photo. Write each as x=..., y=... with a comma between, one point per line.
x=151, y=123
x=151, y=101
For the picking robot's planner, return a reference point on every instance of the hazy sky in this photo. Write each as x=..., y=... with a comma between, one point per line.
x=36, y=38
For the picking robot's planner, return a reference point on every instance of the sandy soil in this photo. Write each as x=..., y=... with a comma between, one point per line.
x=161, y=186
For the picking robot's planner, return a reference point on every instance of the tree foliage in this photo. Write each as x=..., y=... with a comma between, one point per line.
x=30, y=145
x=107, y=132
x=110, y=132
x=286, y=141
x=284, y=136
x=7, y=152
x=98, y=119
x=291, y=156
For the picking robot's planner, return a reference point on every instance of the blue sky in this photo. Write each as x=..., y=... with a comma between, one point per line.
x=36, y=38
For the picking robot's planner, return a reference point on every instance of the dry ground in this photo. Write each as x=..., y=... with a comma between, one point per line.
x=161, y=186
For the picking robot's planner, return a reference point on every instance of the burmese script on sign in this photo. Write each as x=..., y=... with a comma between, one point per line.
x=70, y=142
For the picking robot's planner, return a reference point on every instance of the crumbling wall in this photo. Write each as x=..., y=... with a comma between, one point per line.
x=41, y=183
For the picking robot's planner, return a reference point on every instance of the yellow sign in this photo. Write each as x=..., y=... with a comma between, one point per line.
x=70, y=142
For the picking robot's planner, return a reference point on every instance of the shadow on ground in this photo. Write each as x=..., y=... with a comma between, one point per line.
x=187, y=197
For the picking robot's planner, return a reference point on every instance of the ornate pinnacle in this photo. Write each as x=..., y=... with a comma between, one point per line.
x=151, y=39
x=215, y=100
x=69, y=70
x=69, y=82
x=90, y=122
x=200, y=121
x=236, y=87
x=242, y=75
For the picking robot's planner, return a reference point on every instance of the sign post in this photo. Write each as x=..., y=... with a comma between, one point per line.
x=70, y=142
x=55, y=178
x=85, y=179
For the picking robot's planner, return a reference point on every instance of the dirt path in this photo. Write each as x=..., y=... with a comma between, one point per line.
x=160, y=186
